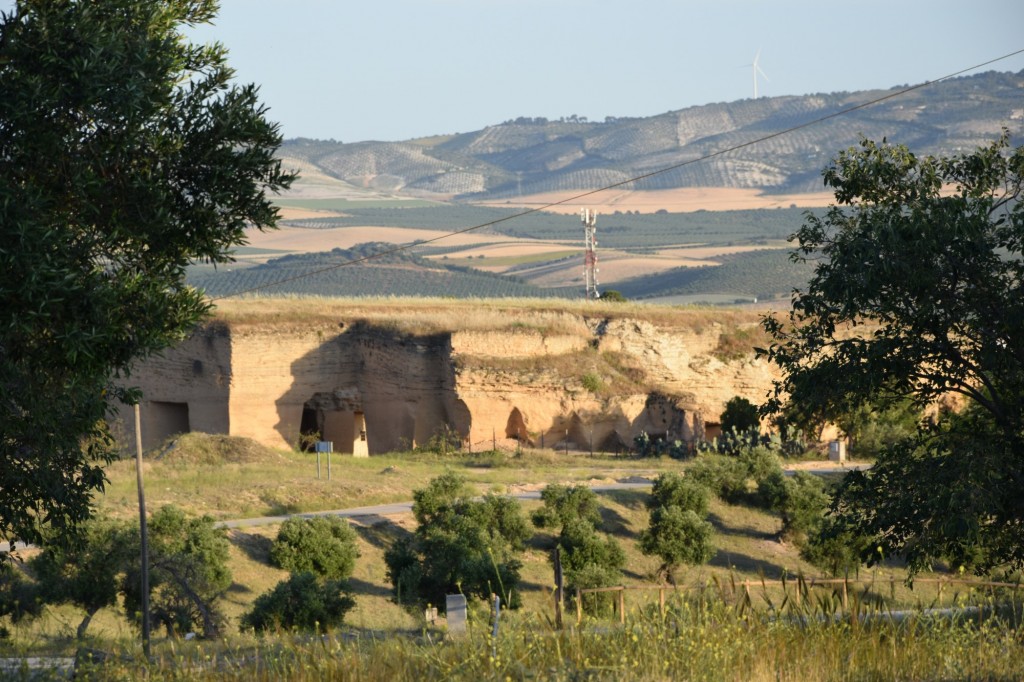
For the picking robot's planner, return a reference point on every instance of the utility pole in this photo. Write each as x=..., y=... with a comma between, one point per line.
x=143, y=533
x=589, y=219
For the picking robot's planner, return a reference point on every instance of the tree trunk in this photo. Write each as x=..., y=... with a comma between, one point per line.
x=80, y=633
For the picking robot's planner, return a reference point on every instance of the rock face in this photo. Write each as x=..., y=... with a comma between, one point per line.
x=369, y=387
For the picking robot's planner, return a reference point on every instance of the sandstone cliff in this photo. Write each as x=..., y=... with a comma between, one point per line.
x=375, y=376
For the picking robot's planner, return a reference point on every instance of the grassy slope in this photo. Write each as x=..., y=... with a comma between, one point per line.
x=266, y=482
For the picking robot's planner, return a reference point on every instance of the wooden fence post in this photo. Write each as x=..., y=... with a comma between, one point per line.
x=579, y=606
x=661, y=602
x=622, y=605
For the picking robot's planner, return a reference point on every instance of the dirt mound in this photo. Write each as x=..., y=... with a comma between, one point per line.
x=205, y=448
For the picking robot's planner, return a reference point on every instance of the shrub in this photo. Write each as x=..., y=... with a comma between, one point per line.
x=800, y=501
x=724, y=476
x=460, y=545
x=646, y=446
x=588, y=558
x=19, y=597
x=84, y=570
x=672, y=490
x=835, y=548
x=563, y=505
x=677, y=536
x=301, y=602
x=322, y=545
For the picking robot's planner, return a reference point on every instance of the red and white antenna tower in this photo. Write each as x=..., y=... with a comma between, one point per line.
x=589, y=219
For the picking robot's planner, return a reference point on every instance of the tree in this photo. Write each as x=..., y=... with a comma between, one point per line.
x=188, y=573
x=125, y=155
x=678, y=536
x=460, y=545
x=322, y=545
x=678, y=532
x=917, y=294
x=86, y=571
x=589, y=558
x=740, y=416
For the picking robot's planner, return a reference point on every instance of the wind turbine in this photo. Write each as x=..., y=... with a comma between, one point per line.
x=757, y=70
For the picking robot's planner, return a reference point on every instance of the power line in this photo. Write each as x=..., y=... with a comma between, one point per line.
x=666, y=169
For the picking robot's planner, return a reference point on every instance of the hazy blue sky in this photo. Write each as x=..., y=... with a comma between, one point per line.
x=395, y=69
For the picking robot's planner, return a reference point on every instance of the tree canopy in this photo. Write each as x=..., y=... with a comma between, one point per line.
x=917, y=295
x=126, y=154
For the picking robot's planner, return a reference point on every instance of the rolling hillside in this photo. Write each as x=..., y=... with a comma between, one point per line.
x=531, y=156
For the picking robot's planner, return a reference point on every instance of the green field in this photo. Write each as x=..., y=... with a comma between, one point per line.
x=339, y=204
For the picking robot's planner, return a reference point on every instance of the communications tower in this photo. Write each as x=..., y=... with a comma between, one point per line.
x=589, y=219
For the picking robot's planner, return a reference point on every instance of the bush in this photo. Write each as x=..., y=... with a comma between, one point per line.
x=85, y=569
x=678, y=537
x=835, y=548
x=724, y=476
x=801, y=501
x=301, y=602
x=460, y=545
x=646, y=446
x=322, y=545
x=588, y=558
x=564, y=505
x=672, y=490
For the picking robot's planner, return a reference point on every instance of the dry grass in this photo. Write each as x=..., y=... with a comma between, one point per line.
x=673, y=200
x=436, y=315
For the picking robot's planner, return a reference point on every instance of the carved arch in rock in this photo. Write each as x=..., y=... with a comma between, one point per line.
x=516, y=428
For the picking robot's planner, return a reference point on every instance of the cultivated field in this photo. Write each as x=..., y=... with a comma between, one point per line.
x=680, y=200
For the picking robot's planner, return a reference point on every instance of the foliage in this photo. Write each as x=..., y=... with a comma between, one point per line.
x=460, y=545
x=188, y=574
x=613, y=296
x=800, y=501
x=926, y=255
x=565, y=505
x=677, y=531
x=678, y=537
x=740, y=415
x=589, y=559
x=302, y=602
x=86, y=570
x=322, y=545
x=125, y=154
x=835, y=548
x=723, y=475
x=673, y=490
x=19, y=597
x=871, y=428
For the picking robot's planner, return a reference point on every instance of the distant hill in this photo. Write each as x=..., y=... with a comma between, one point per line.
x=530, y=156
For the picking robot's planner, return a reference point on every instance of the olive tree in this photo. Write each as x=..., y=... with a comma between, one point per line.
x=126, y=153
x=460, y=545
x=918, y=294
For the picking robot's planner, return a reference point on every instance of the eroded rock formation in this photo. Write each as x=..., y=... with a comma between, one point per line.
x=371, y=387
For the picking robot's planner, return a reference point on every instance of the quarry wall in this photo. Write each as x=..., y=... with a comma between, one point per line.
x=370, y=387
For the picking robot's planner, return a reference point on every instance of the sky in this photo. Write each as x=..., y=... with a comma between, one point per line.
x=390, y=70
